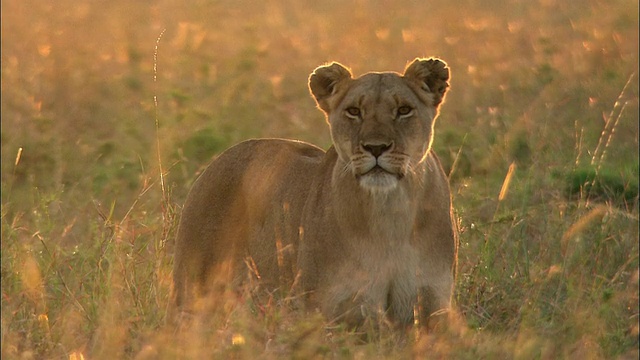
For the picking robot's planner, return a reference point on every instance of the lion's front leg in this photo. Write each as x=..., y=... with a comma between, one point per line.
x=434, y=306
x=360, y=303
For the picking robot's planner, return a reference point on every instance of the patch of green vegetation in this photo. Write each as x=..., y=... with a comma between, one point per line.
x=545, y=74
x=520, y=150
x=133, y=83
x=603, y=185
x=200, y=147
x=180, y=97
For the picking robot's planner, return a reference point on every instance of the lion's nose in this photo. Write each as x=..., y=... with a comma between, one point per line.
x=376, y=149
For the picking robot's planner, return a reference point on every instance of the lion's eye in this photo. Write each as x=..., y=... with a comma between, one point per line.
x=353, y=112
x=404, y=110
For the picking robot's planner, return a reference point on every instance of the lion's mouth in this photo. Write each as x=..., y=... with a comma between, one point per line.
x=379, y=170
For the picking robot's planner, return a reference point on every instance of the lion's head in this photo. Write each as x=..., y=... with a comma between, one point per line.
x=381, y=123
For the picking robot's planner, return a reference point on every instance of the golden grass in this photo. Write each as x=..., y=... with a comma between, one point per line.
x=110, y=110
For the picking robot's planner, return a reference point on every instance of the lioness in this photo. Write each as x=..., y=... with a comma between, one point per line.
x=365, y=228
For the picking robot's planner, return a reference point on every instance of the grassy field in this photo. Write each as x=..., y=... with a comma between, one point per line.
x=539, y=134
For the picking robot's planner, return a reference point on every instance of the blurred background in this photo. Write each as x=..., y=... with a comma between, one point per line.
x=548, y=86
x=528, y=79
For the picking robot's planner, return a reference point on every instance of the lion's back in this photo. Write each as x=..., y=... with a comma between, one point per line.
x=247, y=178
x=242, y=199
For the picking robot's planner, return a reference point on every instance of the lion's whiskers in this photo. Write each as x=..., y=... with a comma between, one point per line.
x=346, y=168
x=411, y=169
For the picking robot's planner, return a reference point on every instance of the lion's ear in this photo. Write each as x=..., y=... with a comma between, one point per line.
x=324, y=82
x=432, y=75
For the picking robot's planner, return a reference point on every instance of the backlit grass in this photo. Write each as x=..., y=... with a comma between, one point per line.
x=539, y=134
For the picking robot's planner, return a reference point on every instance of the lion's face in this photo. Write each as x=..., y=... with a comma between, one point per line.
x=381, y=130
x=381, y=123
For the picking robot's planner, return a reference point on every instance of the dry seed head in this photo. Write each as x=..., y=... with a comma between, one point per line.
x=507, y=180
x=31, y=278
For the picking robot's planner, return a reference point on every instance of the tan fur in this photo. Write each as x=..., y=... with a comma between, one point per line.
x=366, y=226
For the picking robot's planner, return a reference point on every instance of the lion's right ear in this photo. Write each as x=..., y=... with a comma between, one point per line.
x=324, y=82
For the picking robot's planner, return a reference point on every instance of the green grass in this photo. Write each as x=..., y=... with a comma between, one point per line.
x=547, y=270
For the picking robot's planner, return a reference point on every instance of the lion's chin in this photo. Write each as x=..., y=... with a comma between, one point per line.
x=378, y=180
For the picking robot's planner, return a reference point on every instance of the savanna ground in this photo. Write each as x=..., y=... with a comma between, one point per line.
x=539, y=135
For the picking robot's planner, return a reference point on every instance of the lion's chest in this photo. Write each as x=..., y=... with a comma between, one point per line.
x=375, y=278
x=360, y=254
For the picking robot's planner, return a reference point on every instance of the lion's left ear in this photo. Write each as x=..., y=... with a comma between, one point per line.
x=432, y=75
